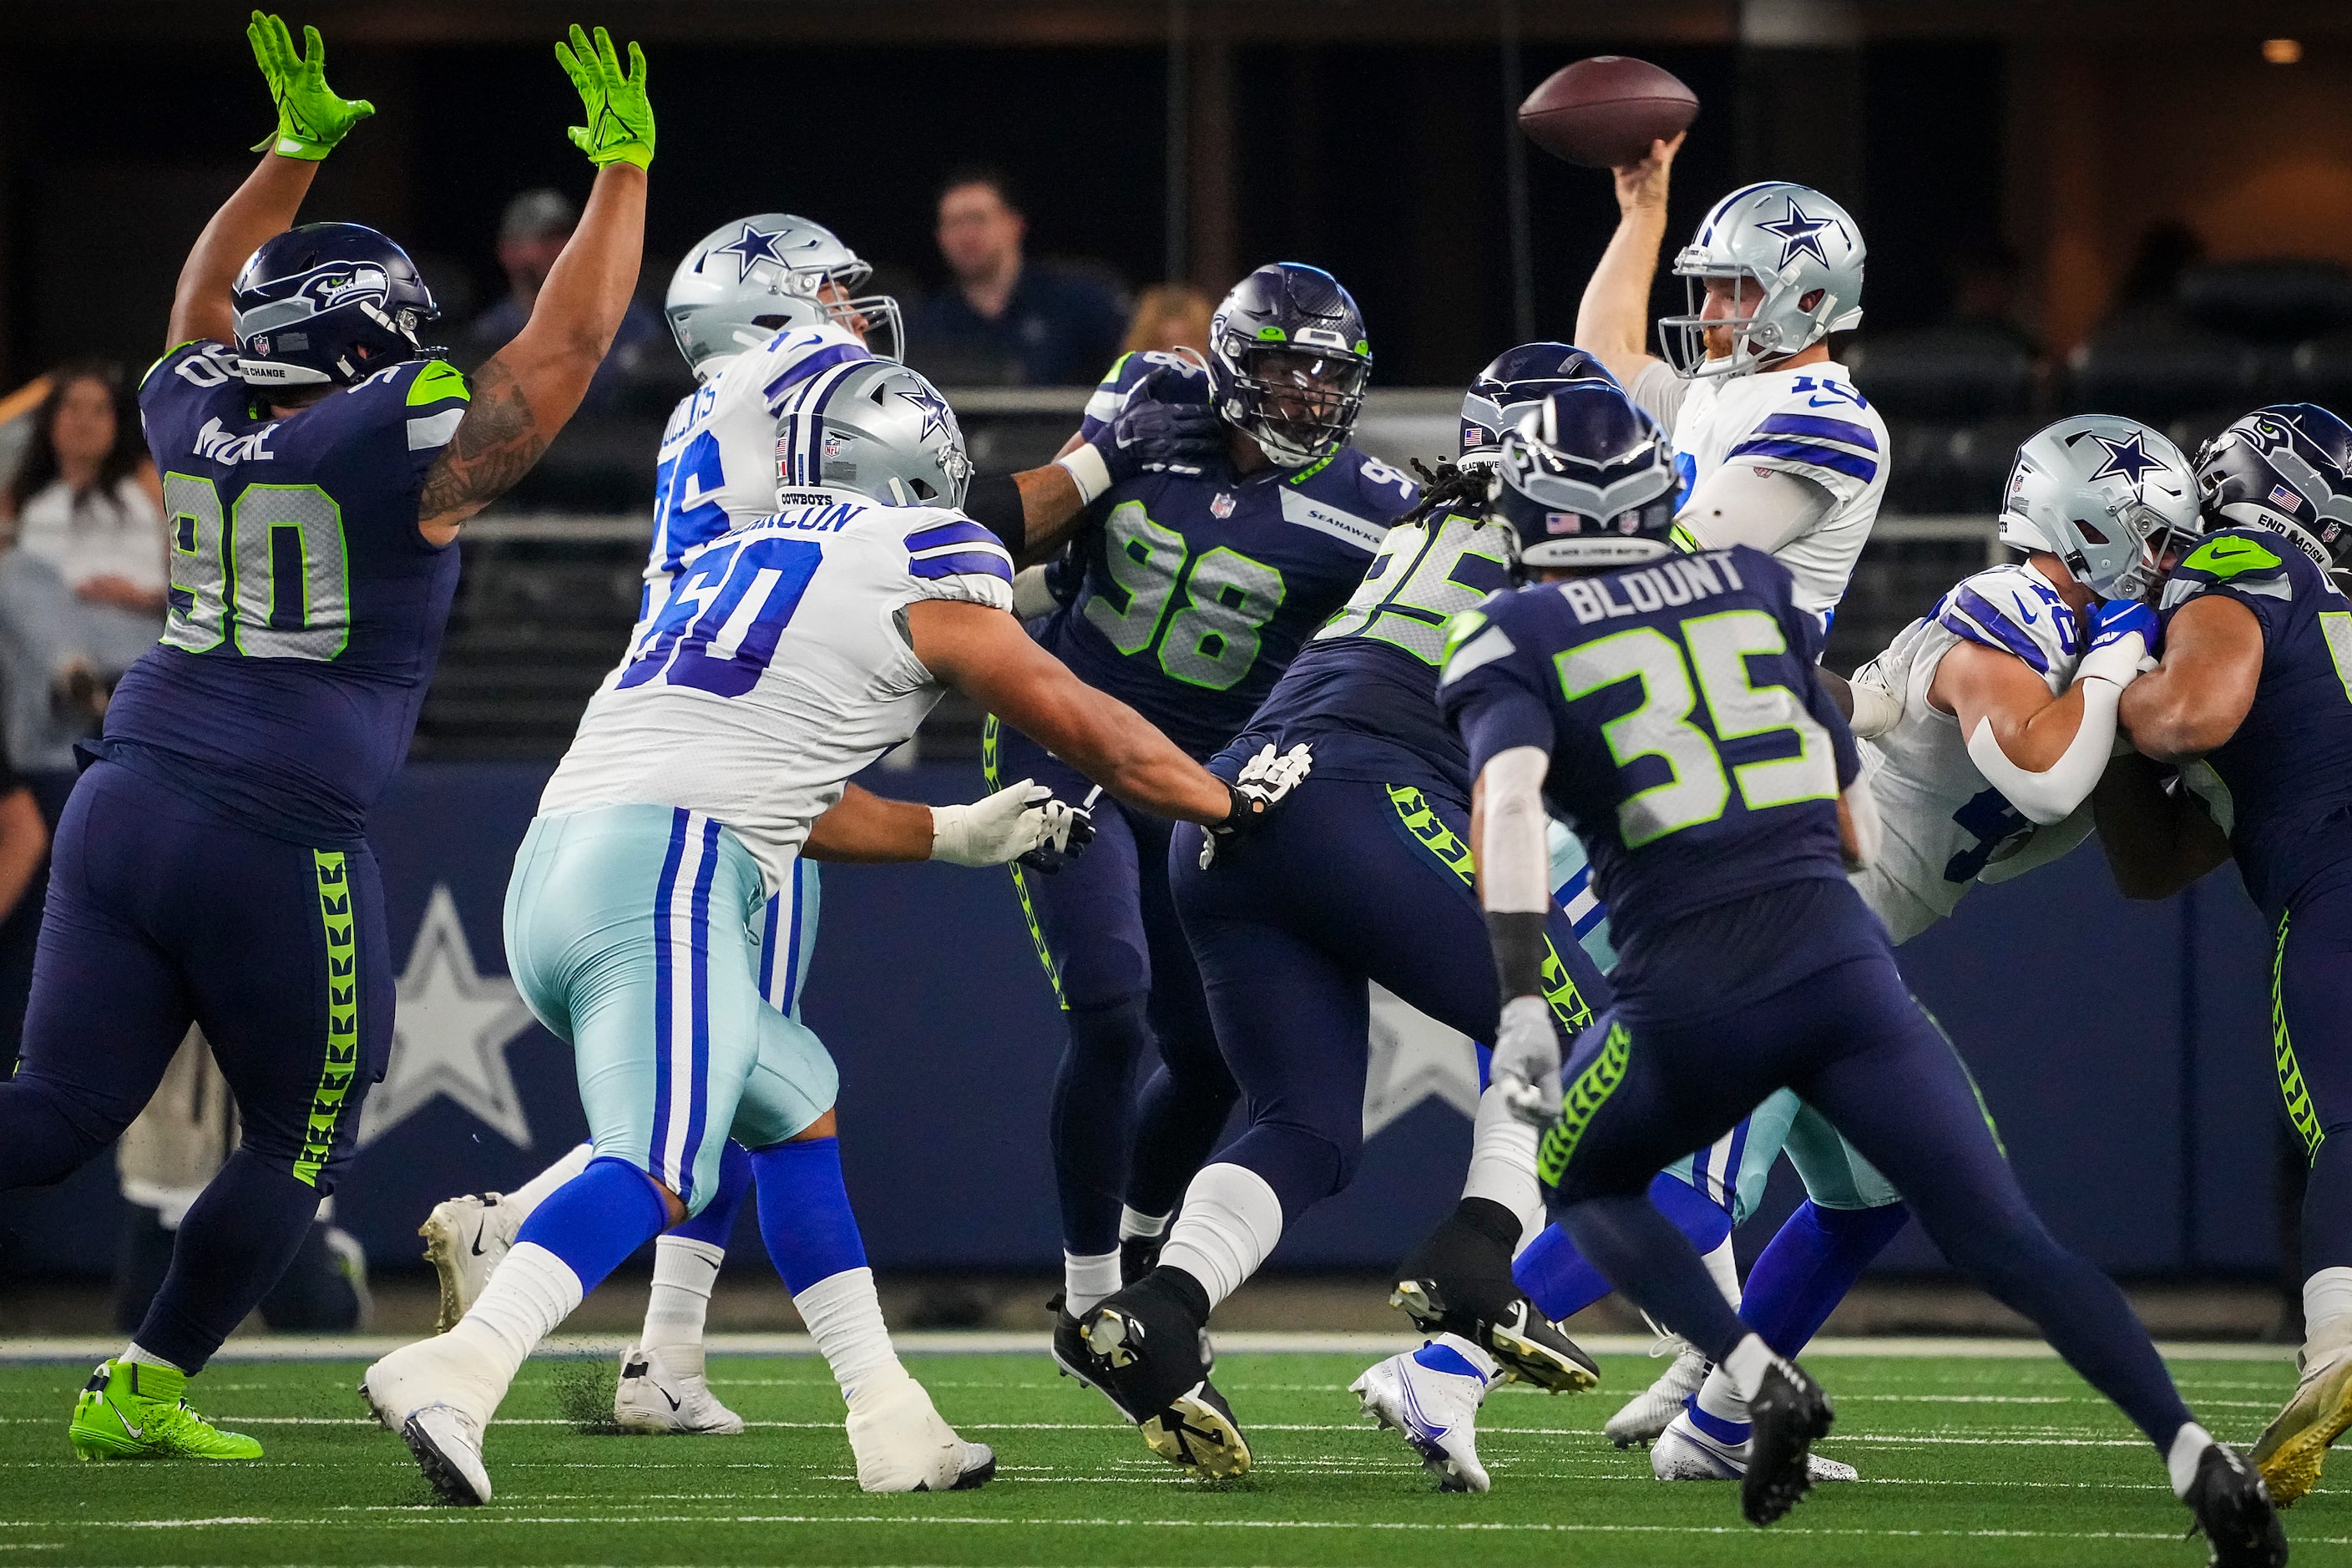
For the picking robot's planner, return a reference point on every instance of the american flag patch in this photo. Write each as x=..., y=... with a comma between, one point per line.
x=2284, y=499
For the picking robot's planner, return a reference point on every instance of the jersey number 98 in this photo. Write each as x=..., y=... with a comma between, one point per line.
x=1213, y=640
x=270, y=577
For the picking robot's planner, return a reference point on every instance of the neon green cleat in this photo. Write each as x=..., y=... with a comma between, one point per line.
x=132, y=1410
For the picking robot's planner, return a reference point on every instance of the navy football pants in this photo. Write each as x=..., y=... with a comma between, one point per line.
x=1111, y=944
x=1851, y=1040
x=161, y=913
x=2311, y=1042
x=1350, y=882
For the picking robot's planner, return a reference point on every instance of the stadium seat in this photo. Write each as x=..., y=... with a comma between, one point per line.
x=2159, y=373
x=2274, y=300
x=1944, y=372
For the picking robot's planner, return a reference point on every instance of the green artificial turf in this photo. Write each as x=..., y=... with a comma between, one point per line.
x=2008, y=1461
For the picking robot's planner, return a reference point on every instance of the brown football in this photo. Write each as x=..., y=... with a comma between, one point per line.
x=1605, y=111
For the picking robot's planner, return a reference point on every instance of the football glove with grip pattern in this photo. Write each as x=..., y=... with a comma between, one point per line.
x=1021, y=822
x=1263, y=782
x=310, y=119
x=620, y=128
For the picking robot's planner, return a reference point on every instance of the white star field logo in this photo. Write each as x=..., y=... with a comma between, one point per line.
x=1415, y=1057
x=450, y=1035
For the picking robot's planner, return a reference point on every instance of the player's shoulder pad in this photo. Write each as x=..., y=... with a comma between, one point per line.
x=2251, y=561
x=216, y=365
x=790, y=356
x=424, y=398
x=2012, y=611
x=1755, y=570
x=1382, y=491
x=1835, y=439
x=944, y=547
x=1129, y=372
x=1478, y=636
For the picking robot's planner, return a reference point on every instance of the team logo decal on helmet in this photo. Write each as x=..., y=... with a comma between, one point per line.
x=873, y=427
x=2105, y=494
x=1288, y=362
x=1517, y=380
x=746, y=281
x=328, y=303
x=1587, y=478
x=1793, y=261
x=2287, y=468
x=1800, y=234
x=750, y=247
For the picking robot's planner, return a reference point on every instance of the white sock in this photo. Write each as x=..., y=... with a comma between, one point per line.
x=529, y=1292
x=2189, y=1446
x=1133, y=1223
x=684, y=1271
x=1230, y=1221
x=1503, y=1163
x=1746, y=1363
x=1086, y=1278
x=541, y=1187
x=146, y=1357
x=2327, y=1305
x=844, y=1318
x=1724, y=1266
x=1719, y=1397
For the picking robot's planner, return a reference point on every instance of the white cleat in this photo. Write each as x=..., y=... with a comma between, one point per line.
x=438, y=1394
x=464, y=1239
x=1434, y=1409
x=655, y=1398
x=1650, y=1412
x=1684, y=1453
x=903, y=1445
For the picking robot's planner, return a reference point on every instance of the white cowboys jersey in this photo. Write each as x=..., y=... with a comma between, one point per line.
x=1946, y=828
x=777, y=667
x=1809, y=422
x=717, y=463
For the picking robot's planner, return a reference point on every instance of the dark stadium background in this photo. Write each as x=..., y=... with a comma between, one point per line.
x=2125, y=1050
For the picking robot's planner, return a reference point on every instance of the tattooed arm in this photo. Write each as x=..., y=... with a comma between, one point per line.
x=528, y=389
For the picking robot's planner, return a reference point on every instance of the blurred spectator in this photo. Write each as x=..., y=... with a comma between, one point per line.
x=2148, y=294
x=1003, y=318
x=531, y=235
x=1171, y=316
x=82, y=593
x=1988, y=282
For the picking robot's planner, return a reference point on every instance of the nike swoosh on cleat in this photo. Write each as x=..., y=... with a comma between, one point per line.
x=674, y=1403
x=136, y=1432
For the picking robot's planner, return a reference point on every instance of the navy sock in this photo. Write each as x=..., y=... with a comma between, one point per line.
x=1561, y=1282
x=804, y=1214
x=716, y=1223
x=1094, y=1109
x=1178, y=1120
x=597, y=1218
x=1642, y=1253
x=1810, y=1266
x=233, y=1246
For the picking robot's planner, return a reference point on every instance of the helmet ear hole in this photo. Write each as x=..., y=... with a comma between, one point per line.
x=2089, y=533
x=772, y=323
x=1812, y=300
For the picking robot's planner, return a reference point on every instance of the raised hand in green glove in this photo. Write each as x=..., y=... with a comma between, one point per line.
x=620, y=128
x=311, y=118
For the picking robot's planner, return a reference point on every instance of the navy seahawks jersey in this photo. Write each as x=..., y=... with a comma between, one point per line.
x=1364, y=693
x=1694, y=749
x=1198, y=591
x=306, y=610
x=2282, y=786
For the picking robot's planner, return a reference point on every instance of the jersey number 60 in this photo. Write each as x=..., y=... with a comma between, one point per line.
x=719, y=628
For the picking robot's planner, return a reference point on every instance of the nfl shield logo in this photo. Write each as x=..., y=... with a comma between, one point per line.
x=2284, y=499
x=1223, y=507
x=831, y=446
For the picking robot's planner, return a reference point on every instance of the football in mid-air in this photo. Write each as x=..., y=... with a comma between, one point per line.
x=1605, y=111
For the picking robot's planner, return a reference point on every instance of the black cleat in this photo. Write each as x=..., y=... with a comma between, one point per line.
x=1138, y=1256
x=1501, y=1321
x=1147, y=1351
x=2234, y=1509
x=1789, y=1411
x=1069, y=1343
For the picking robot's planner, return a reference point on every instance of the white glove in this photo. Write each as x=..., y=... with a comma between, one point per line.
x=1526, y=1065
x=1005, y=826
x=1262, y=785
x=1882, y=687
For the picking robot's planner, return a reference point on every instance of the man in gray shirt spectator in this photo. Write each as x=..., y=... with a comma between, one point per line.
x=531, y=234
x=1006, y=320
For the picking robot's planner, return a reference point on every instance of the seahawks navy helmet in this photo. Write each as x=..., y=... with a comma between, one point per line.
x=328, y=303
x=1587, y=479
x=1288, y=362
x=1518, y=379
x=2288, y=468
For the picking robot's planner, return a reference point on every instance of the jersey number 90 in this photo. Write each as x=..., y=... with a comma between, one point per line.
x=1696, y=788
x=270, y=577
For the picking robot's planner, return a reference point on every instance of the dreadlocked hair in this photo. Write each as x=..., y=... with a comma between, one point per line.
x=1448, y=488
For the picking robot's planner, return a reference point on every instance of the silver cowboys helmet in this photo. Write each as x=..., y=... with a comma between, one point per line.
x=2105, y=494
x=873, y=427
x=745, y=279
x=1790, y=244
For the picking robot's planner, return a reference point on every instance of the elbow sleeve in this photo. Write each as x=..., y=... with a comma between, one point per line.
x=2050, y=795
x=1514, y=851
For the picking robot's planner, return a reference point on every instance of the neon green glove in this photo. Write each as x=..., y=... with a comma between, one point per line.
x=620, y=128
x=311, y=118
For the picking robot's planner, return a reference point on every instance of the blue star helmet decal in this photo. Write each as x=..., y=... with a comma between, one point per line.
x=1799, y=234
x=936, y=413
x=750, y=247
x=2129, y=459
